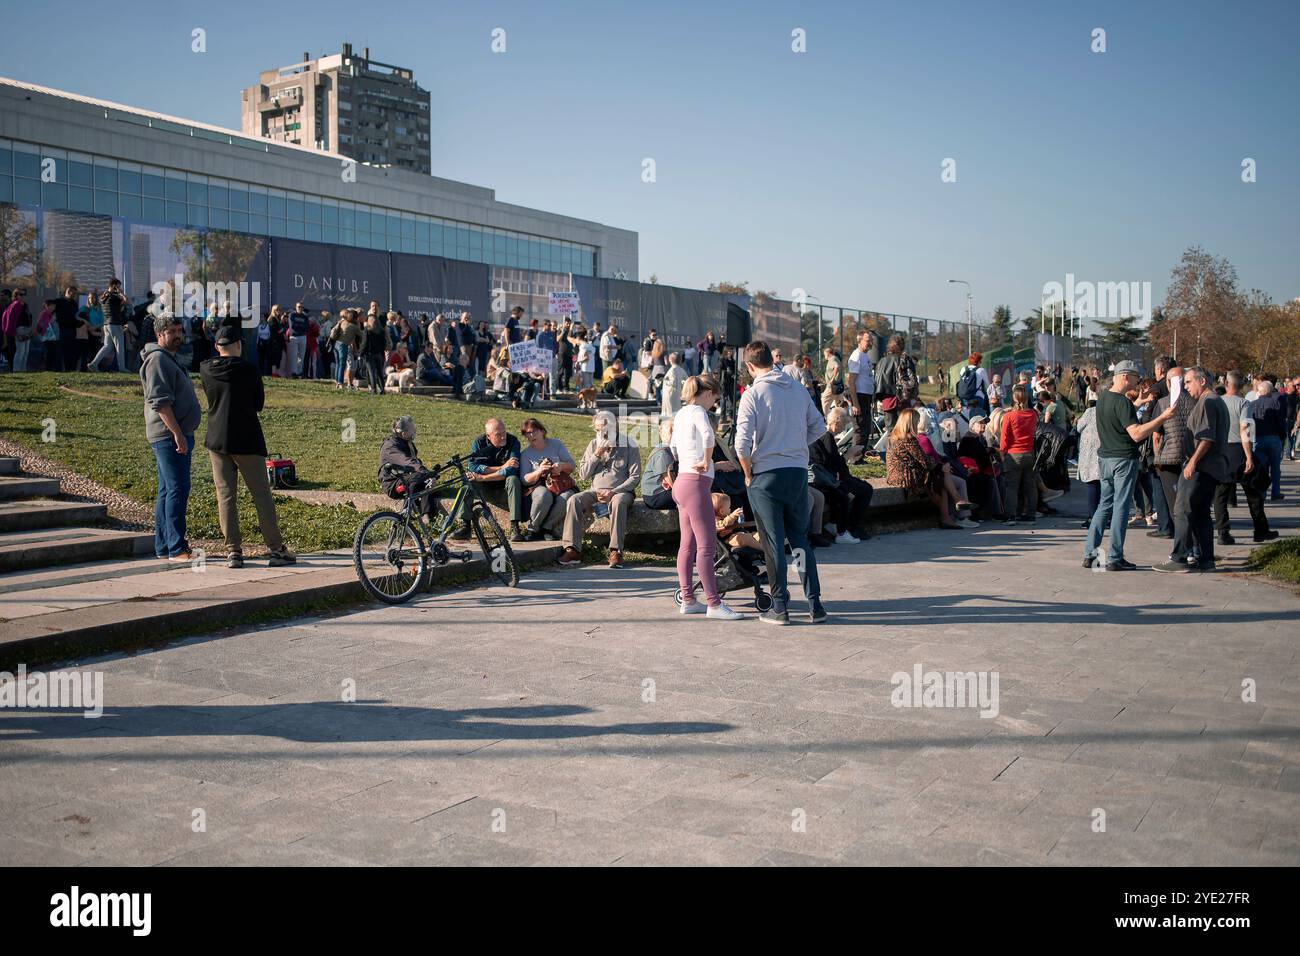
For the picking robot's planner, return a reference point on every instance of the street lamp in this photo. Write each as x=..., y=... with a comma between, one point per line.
x=970, y=344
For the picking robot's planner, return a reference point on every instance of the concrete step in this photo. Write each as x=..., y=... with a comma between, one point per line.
x=34, y=514
x=14, y=487
x=51, y=547
x=9, y=466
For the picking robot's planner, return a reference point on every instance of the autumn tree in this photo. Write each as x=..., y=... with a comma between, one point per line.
x=18, y=250
x=1205, y=310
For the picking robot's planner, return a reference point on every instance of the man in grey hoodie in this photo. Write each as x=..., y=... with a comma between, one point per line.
x=775, y=424
x=171, y=414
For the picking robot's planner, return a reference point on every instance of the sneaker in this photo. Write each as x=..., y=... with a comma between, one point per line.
x=234, y=560
x=776, y=614
x=615, y=558
x=695, y=607
x=461, y=533
x=1011, y=521
x=820, y=540
x=968, y=523
x=1089, y=561
x=531, y=535
x=1227, y=539
x=1266, y=536
x=570, y=558
x=185, y=557
x=724, y=613
x=279, y=559
x=1052, y=495
x=845, y=538
x=1121, y=565
x=859, y=533
x=816, y=613
x=1172, y=567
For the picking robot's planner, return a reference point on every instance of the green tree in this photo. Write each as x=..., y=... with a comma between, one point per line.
x=1000, y=332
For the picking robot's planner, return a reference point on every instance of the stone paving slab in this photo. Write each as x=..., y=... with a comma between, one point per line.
x=580, y=720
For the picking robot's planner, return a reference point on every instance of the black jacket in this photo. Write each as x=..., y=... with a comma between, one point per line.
x=234, y=391
x=825, y=453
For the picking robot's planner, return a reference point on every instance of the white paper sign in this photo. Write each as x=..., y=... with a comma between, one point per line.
x=563, y=303
x=1175, y=390
x=526, y=357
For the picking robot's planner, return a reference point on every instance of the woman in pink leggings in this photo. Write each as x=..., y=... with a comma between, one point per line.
x=692, y=445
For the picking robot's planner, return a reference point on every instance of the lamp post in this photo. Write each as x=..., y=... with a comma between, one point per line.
x=970, y=344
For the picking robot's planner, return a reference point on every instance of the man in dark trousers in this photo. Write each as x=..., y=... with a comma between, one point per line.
x=1206, y=468
x=236, y=446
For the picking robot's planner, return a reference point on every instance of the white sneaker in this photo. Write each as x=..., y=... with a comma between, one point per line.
x=845, y=538
x=967, y=523
x=695, y=607
x=724, y=613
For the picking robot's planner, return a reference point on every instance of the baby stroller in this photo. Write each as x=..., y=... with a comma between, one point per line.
x=737, y=568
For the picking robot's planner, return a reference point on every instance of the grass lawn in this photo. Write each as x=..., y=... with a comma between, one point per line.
x=1280, y=559
x=332, y=436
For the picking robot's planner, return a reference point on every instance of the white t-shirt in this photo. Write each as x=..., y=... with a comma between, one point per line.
x=860, y=365
x=692, y=440
x=586, y=357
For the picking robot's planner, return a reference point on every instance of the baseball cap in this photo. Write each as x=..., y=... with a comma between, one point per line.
x=1127, y=368
x=228, y=334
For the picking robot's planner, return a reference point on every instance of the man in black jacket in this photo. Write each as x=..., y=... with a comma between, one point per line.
x=236, y=445
x=847, y=496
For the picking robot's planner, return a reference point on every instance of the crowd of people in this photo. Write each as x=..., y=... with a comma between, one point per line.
x=1170, y=451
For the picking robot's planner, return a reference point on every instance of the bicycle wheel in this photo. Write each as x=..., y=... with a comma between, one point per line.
x=390, y=557
x=495, y=545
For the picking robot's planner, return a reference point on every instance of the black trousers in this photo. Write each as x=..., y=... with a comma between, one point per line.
x=1169, y=477
x=865, y=418
x=1193, y=519
x=1254, y=496
x=848, y=502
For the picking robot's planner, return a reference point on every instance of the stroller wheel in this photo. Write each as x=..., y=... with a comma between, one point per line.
x=762, y=601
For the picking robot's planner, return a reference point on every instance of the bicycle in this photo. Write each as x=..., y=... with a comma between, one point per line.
x=390, y=551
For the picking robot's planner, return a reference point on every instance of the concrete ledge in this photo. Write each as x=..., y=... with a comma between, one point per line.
x=145, y=622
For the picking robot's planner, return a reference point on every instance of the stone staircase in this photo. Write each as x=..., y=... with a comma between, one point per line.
x=39, y=530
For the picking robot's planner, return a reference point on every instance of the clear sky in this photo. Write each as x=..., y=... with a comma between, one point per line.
x=818, y=170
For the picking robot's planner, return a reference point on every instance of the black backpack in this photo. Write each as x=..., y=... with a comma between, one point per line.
x=968, y=386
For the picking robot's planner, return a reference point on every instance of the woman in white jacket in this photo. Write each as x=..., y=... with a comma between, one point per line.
x=672, y=386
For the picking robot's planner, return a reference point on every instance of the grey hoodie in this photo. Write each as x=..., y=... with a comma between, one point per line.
x=776, y=422
x=166, y=383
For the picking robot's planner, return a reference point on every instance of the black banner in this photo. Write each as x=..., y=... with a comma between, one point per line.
x=432, y=284
x=326, y=276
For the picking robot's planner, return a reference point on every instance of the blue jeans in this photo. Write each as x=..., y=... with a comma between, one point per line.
x=1270, y=449
x=173, y=496
x=340, y=361
x=1118, y=476
x=779, y=499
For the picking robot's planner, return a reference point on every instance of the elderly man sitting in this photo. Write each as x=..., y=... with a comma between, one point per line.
x=847, y=496
x=613, y=466
x=494, y=464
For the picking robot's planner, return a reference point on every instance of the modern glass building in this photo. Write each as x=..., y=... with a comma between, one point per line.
x=165, y=190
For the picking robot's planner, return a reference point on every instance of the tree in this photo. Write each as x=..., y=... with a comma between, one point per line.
x=654, y=279
x=1122, y=332
x=18, y=249
x=1206, y=311
x=1000, y=332
x=730, y=288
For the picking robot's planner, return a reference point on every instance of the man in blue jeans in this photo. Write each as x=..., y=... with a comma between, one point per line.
x=171, y=414
x=1118, y=434
x=775, y=424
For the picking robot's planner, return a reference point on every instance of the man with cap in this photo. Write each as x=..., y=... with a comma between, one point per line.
x=236, y=445
x=1119, y=435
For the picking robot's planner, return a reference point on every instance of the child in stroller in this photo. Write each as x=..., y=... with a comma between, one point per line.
x=739, y=560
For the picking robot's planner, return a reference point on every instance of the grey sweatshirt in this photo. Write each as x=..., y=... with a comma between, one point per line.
x=166, y=383
x=776, y=422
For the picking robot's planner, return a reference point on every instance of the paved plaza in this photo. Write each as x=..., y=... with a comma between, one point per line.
x=580, y=720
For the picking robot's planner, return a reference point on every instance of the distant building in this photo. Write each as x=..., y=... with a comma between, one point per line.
x=352, y=105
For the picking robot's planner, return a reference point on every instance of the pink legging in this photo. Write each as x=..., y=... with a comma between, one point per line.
x=699, y=534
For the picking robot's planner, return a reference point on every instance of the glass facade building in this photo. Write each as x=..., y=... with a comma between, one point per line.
x=35, y=177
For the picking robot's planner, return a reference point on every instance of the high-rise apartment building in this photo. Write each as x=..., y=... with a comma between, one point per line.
x=369, y=111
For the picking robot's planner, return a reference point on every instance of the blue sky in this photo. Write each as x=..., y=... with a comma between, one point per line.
x=818, y=170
